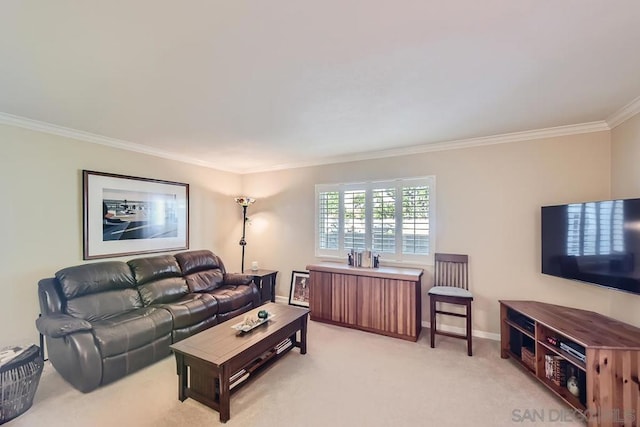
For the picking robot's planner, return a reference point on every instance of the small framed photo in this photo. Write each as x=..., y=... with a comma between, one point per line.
x=299, y=293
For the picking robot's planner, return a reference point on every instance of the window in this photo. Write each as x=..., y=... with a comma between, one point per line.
x=392, y=218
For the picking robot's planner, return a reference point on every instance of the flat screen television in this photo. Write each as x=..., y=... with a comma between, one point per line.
x=593, y=242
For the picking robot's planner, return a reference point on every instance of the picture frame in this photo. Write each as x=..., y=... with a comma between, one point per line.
x=299, y=292
x=128, y=215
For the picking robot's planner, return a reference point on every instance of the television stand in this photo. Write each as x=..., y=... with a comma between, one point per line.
x=590, y=361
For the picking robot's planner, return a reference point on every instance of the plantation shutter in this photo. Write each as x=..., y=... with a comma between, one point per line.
x=354, y=219
x=415, y=220
x=384, y=221
x=393, y=218
x=328, y=219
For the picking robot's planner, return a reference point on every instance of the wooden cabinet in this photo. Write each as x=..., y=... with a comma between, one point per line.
x=590, y=361
x=383, y=300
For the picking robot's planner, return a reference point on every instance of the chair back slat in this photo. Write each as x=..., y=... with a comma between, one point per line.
x=451, y=270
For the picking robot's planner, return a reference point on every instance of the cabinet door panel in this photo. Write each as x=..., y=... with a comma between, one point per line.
x=320, y=295
x=387, y=305
x=401, y=309
x=344, y=289
x=370, y=303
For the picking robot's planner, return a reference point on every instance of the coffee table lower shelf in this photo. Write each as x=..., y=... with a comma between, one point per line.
x=204, y=385
x=214, y=363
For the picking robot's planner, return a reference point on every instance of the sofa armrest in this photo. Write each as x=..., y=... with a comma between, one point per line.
x=237, y=279
x=60, y=325
x=76, y=357
x=50, y=296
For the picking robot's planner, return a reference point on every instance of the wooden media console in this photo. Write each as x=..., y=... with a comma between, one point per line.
x=590, y=361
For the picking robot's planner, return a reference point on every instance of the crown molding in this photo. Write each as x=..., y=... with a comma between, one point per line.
x=624, y=114
x=35, y=125
x=558, y=131
x=504, y=138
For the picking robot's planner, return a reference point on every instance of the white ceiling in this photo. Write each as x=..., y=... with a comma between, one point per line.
x=248, y=85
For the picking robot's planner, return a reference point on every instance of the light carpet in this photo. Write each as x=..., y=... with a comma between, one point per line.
x=347, y=378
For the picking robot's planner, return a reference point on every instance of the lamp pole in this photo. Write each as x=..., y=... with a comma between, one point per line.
x=244, y=202
x=243, y=242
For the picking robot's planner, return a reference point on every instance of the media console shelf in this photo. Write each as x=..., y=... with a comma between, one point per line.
x=590, y=361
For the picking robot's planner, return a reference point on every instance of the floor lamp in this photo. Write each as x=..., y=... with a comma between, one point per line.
x=244, y=202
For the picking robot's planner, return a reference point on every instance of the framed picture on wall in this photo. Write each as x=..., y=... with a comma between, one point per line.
x=126, y=215
x=299, y=292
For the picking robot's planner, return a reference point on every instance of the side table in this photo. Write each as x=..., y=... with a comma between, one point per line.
x=266, y=282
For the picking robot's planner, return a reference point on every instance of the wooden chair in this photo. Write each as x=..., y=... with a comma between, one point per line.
x=451, y=286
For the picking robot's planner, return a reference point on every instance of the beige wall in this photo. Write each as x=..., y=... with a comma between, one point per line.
x=625, y=183
x=41, y=215
x=488, y=206
x=625, y=159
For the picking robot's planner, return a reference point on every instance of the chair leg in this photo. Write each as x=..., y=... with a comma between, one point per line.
x=432, y=314
x=469, y=334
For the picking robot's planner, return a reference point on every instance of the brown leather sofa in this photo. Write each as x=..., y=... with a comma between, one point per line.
x=102, y=321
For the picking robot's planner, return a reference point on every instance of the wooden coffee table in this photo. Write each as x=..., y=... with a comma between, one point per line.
x=214, y=361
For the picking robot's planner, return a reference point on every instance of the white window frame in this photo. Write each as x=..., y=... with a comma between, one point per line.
x=386, y=258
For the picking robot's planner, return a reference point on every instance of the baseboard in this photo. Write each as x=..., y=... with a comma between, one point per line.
x=281, y=299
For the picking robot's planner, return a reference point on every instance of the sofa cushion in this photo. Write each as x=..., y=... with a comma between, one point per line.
x=233, y=297
x=98, y=290
x=202, y=270
x=94, y=278
x=159, y=279
x=130, y=330
x=192, y=309
x=163, y=290
x=154, y=268
x=204, y=281
x=104, y=305
x=194, y=261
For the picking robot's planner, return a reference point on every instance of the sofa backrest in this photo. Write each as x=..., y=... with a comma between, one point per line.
x=202, y=270
x=159, y=279
x=98, y=290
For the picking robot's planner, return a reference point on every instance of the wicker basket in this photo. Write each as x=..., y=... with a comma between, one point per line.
x=18, y=383
x=529, y=358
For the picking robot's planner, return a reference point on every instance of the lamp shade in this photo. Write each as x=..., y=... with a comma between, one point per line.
x=244, y=201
